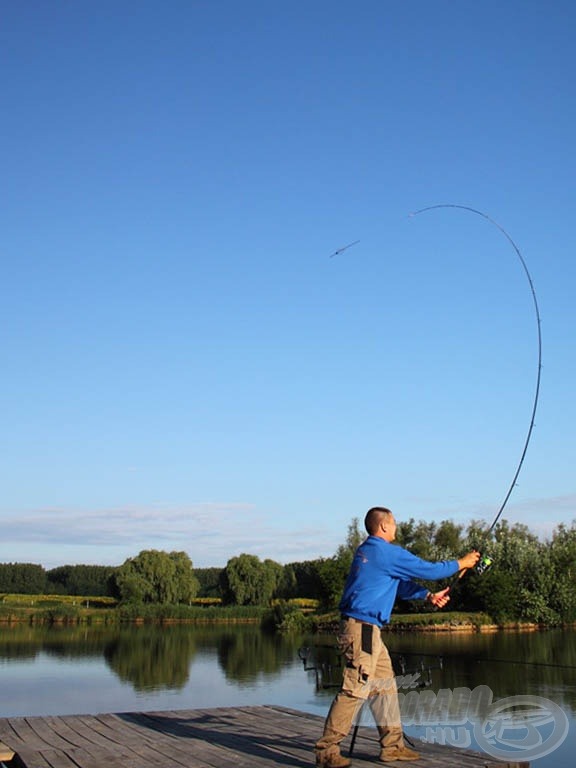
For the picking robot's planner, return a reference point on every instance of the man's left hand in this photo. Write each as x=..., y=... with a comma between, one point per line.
x=439, y=599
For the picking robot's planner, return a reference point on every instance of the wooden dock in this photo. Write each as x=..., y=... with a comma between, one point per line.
x=238, y=737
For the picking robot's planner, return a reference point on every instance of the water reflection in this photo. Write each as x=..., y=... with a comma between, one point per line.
x=155, y=658
x=21, y=641
x=509, y=663
x=178, y=667
x=244, y=656
x=151, y=660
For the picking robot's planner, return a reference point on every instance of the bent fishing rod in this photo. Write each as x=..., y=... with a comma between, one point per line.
x=485, y=560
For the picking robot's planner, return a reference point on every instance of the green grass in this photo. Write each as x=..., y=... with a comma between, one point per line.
x=151, y=612
x=69, y=609
x=431, y=619
x=26, y=601
x=417, y=621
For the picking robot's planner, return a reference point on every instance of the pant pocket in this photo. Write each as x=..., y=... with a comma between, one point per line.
x=356, y=681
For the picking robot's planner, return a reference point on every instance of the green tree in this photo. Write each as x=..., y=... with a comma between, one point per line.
x=416, y=537
x=157, y=577
x=93, y=580
x=272, y=579
x=521, y=582
x=288, y=584
x=405, y=532
x=332, y=571
x=22, y=578
x=354, y=537
x=248, y=581
x=209, y=581
x=563, y=564
x=447, y=542
x=477, y=536
x=307, y=579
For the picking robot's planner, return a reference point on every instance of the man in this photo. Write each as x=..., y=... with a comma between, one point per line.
x=380, y=572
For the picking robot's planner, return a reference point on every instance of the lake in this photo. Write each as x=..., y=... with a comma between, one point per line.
x=73, y=670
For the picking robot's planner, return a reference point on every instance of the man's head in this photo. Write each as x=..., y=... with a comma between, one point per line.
x=380, y=522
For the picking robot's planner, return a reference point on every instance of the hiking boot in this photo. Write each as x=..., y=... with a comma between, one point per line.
x=389, y=754
x=331, y=760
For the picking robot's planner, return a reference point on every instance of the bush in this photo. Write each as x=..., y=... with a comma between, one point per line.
x=286, y=617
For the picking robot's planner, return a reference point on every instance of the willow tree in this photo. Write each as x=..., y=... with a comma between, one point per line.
x=154, y=576
x=247, y=580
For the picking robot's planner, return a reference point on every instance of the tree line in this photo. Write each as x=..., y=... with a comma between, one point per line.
x=530, y=580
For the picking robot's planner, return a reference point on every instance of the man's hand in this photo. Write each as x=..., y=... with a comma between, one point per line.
x=469, y=560
x=439, y=599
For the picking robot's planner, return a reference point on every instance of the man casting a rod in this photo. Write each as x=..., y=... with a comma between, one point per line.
x=380, y=573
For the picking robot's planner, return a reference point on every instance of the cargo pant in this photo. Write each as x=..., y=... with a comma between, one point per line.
x=368, y=676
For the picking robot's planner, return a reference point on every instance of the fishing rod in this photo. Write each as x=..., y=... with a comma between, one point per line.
x=486, y=561
x=343, y=248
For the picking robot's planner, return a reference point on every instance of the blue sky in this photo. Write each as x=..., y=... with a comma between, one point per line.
x=184, y=364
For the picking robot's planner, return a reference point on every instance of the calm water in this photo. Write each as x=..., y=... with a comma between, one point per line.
x=88, y=670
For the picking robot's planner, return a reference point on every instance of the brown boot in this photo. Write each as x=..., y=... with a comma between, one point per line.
x=389, y=754
x=331, y=759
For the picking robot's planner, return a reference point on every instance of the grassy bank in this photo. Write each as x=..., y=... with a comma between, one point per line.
x=287, y=616
x=437, y=621
x=56, y=609
x=67, y=609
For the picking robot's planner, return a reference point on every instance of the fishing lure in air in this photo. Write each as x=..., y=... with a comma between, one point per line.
x=486, y=561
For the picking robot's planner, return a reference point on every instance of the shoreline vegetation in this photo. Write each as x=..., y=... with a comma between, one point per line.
x=299, y=615
x=531, y=585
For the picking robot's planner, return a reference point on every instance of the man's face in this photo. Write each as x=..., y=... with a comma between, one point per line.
x=389, y=527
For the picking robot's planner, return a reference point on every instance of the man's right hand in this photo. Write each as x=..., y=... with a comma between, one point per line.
x=469, y=560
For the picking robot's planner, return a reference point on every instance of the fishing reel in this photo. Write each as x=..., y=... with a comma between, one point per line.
x=483, y=564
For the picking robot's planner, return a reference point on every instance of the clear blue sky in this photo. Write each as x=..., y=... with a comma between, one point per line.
x=184, y=366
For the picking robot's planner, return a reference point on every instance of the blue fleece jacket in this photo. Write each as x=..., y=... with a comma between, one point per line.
x=381, y=572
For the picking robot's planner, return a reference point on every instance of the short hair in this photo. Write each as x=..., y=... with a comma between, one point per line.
x=374, y=518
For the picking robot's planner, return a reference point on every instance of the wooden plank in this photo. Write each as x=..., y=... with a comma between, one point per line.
x=46, y=729
x=275, y=734
x=21, y=735
x=88, y=734
x=205, y=742
x=51, y=742
x=133, y=729
x=52, y=758
x=242, y=737
x=174, y=737
x=6, y=754
x=439, y=754
x=243, y=731
x=75, y=746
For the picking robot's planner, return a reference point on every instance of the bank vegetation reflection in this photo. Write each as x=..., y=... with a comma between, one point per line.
x=154, y=658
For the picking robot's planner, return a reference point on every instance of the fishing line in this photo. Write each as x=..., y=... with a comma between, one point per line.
x=478, y=659
x=343, y=248
x=306, y=653
x=538, y=322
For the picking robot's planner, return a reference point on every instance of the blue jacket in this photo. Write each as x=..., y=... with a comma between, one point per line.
x=381, y=572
